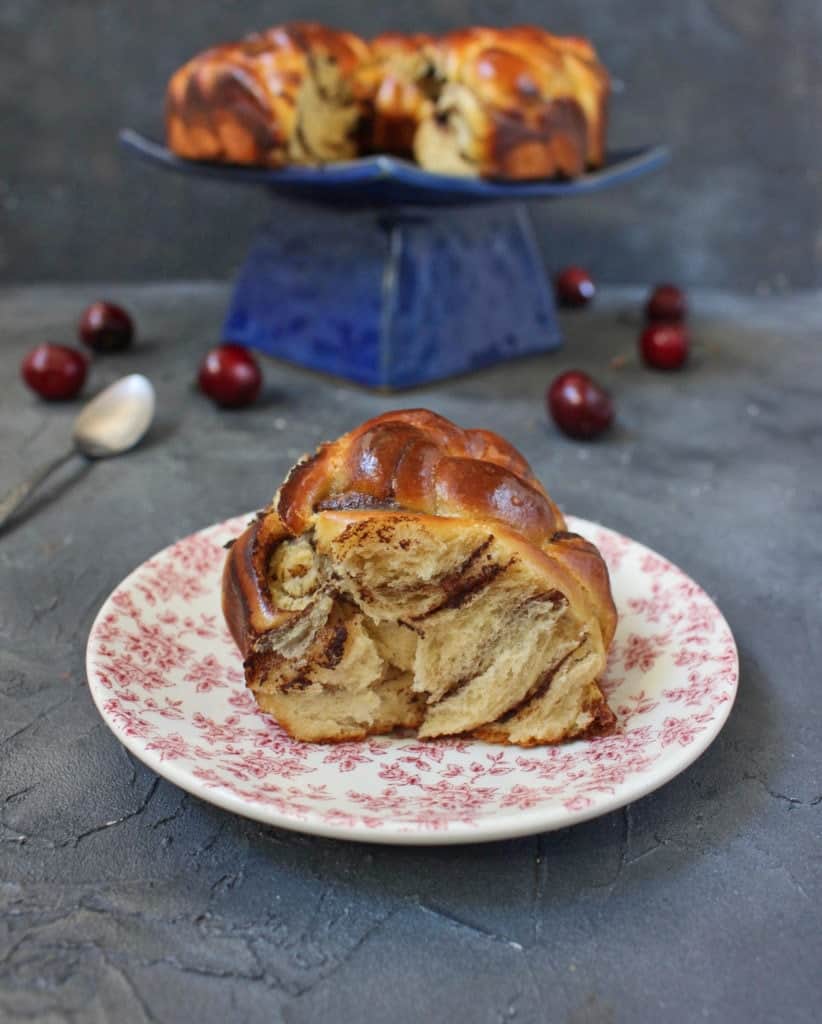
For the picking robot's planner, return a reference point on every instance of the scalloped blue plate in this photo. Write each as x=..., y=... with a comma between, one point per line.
x=388, y=179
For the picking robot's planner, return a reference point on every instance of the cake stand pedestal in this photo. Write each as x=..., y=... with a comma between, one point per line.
x=391, y=277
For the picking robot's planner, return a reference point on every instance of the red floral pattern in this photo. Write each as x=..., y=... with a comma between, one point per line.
x=169, y=682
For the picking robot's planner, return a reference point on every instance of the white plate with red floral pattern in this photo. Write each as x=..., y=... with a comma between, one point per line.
x=168, y=681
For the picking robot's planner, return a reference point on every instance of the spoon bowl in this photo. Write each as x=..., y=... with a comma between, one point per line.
x=116, y=419
x=111, y=423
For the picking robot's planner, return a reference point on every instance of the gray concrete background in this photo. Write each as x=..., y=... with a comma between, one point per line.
x=735, y=86
x=123, y=899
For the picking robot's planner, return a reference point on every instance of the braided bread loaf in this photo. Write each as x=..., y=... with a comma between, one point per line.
x=401, y=88
x=510, y=103
x=413, y=574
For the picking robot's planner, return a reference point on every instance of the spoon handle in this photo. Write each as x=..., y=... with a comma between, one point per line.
x=17, y=495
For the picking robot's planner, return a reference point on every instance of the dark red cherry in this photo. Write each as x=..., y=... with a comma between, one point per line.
x=54, y=371
x=574, y=287
x=666, y=303
x=579, y=406
x=105, y=327
x=664, y=346
x=230, y=376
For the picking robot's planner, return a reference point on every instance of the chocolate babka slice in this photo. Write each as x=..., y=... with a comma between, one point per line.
x=413, y=574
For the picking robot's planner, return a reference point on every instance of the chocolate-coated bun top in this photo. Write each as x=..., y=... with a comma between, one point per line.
x=417, y=461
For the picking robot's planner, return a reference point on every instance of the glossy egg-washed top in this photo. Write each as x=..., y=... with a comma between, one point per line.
x=416, y=461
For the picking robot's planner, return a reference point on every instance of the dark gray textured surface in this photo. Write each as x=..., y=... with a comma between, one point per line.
x=732, y=85
x=123, y=899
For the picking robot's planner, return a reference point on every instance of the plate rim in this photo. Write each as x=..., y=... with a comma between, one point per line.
x=509, y=825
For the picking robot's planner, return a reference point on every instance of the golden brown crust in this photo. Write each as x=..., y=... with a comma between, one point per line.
x=411, y=459
x=584, y=561
x=237, y=103
x=540, y=100
x=416, y=460
x=571, y=562
x=521, y=70
x=400, y=44
x=528, y=104
x=396, y=481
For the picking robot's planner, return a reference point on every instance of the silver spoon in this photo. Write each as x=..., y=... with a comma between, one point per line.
x=111, y=423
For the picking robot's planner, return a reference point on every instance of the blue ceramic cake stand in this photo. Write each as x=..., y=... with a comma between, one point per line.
x=390, y=276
